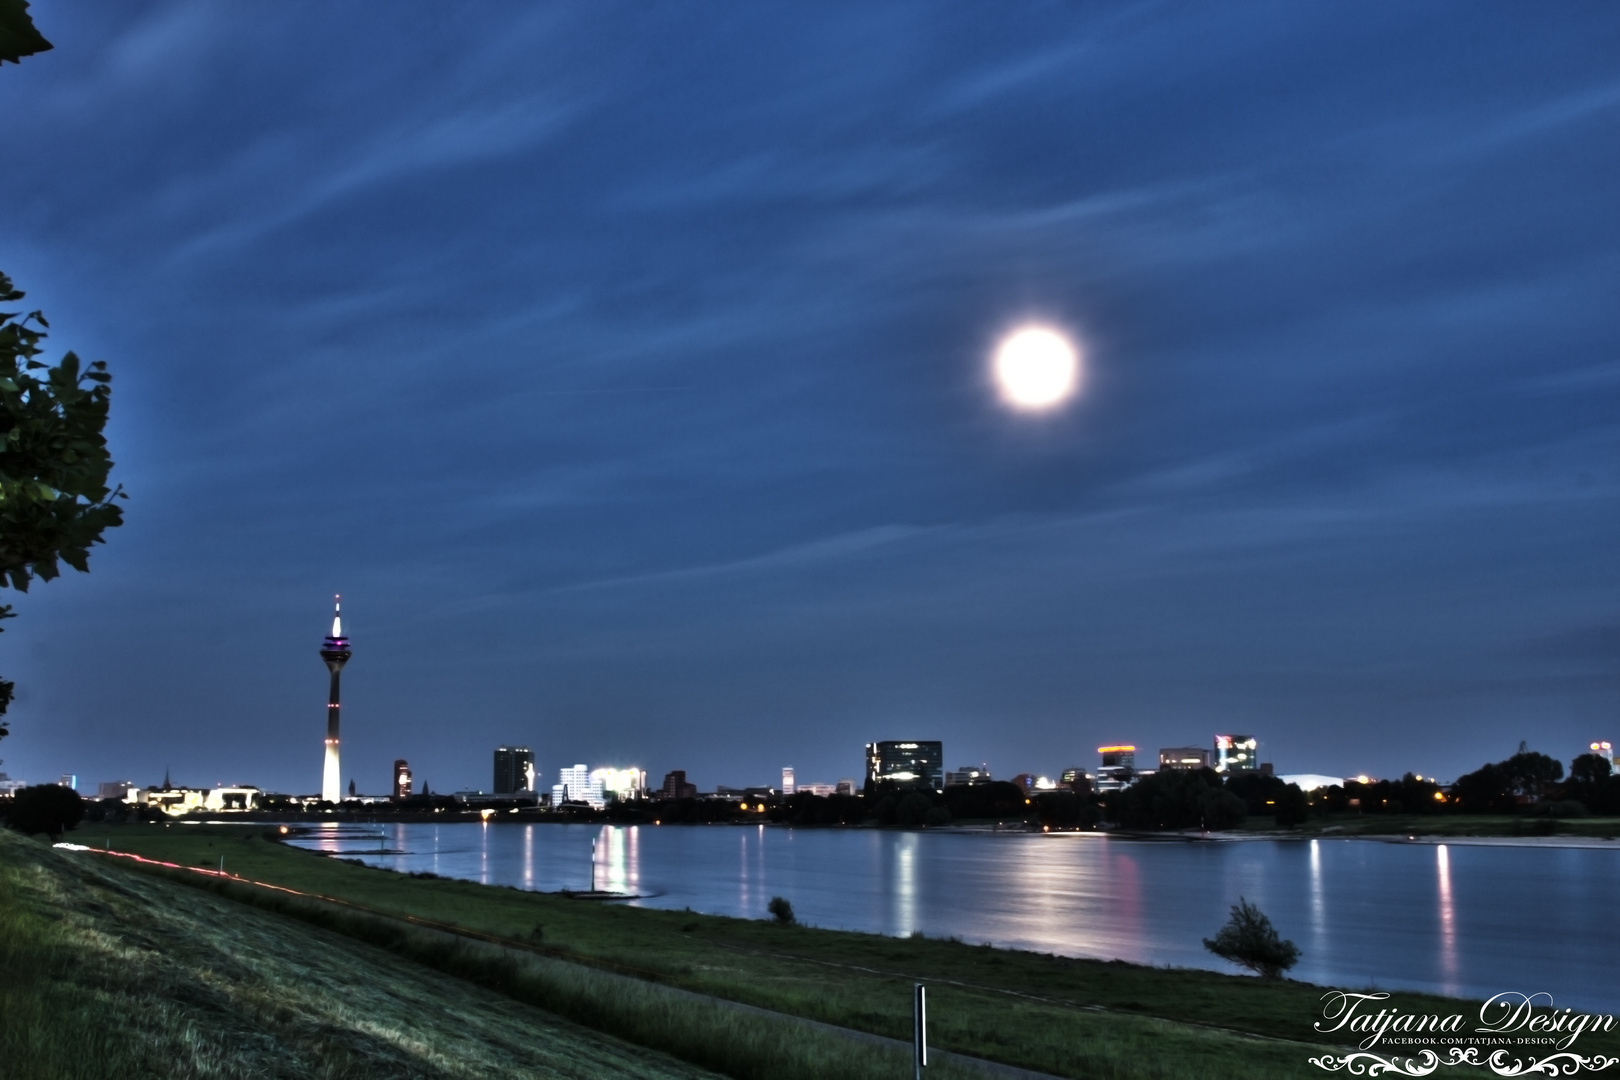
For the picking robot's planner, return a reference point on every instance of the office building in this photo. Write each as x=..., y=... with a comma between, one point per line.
x=576, y=785
x=676, y=787
x=402, y=779
x=787, y=780
x=1076, y=780
x=622, y=784
x=111, y=789
x=335, y=651
x=1118, y=768
x=514, y=770
x=968, y=775
x=845, y=786
x=1184, y=757
x=1237, y=754
x=1604, y=750
x=906, y=764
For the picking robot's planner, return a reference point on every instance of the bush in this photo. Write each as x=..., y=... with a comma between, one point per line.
x=937, y=815
x=913, y=809
x=46, y=808
x=1249, y=939
x=781, y=911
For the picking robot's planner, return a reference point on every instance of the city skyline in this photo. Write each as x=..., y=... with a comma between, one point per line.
x=638, y=395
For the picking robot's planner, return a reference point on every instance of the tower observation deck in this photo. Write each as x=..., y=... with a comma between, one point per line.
x=335, y=651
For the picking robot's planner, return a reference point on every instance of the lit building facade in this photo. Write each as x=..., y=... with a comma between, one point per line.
x=787, y=780
x=402, y=779
x=335, y=651
x=575, y=784
x=1237, y=754
x=622, y=784
x=514, y=769
x=906, y=764
x=1184, y=757
x=1605, y=750
x=1117, y=770
x=967, y=776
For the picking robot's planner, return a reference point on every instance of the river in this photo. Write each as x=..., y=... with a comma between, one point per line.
x=1455, y=918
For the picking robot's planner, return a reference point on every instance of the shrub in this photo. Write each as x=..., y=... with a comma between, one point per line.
x=1249, y=939
x=781, y=911
x=46, y=808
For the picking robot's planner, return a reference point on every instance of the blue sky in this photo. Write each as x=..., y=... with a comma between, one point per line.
x=626, y=370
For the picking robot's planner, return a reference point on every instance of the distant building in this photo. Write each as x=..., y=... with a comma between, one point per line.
x=1312, y=781
x=514, y=769
x=1118, y=768
x=69, y=780
x=577, y=785
x=787, y=780
x=1184, y=757
x=676, y=787
x=111, y=789
x=402, y=779
x=816, y=789
x=1237, y=753
x=967, y=776
x=844, y=787
x=906, y=764
x=232, y=798
x=1076, y=780
x=622, y=784
x=1603, y=750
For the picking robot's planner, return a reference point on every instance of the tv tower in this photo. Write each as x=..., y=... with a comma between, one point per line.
x=335, y=651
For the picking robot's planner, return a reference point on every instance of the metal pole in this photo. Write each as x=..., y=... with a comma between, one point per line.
x=919, y=1029
x=593, y=864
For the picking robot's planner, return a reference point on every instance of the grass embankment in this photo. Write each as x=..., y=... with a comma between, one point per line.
x=1064, y=1016
x=1459, y=825
x=105, y=972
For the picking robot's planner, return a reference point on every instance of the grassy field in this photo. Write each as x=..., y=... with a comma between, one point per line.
x=105, y=972
x=1063, y=1016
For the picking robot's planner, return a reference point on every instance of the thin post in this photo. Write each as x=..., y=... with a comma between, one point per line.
x=593, y=864
x=222, y=866
x=919, y=1029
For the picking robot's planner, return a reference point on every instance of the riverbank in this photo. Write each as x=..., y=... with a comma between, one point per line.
x=1063, y=1016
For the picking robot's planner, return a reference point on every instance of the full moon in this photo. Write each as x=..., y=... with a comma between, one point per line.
x=1036, y=368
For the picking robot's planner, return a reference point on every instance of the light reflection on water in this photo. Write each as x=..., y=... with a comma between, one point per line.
x=1457, y=918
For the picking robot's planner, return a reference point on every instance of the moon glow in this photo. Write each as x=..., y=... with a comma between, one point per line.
x=1036, y=368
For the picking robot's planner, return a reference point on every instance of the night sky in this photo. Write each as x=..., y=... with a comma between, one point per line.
x=625, y=367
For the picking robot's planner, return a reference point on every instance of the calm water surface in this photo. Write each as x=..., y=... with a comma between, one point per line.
x=1454, y=919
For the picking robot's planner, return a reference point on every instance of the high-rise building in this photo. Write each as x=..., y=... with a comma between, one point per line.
x=1605, y=750
x=906, y=764
x=787, y=780
x=69, y=780
x=335, y=651
x=402, y=779
x=514, y=769
x=1184, y=757
x=1118, y=768
x=1237, y=753
x=676, y=787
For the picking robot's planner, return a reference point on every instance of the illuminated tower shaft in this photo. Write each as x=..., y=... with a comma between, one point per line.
x=335, y=651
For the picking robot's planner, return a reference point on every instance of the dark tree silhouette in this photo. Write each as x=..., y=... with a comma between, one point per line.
x=1249, y=939
x=46, y=808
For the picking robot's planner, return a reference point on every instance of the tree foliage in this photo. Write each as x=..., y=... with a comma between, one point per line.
x=46, y=808
x=55, y=501
x=18, y=37
x=1249, y=939
x=1178, y=799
